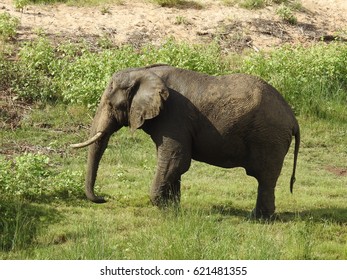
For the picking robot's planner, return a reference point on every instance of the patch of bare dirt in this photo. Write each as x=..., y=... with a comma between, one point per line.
x=11, y=111
x=138, y=22
x=338, y=171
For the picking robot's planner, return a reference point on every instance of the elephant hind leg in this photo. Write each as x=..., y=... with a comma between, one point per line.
x=266, y=172
x=265, y=204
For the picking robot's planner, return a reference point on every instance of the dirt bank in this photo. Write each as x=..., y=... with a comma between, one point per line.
x=138, y=22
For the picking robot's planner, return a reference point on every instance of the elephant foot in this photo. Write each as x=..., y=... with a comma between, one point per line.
x=258, y=214
x=164, y=203
x=166, y=196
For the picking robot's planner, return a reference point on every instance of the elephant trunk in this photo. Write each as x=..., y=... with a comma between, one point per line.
x=104, y=125
x=96, y=150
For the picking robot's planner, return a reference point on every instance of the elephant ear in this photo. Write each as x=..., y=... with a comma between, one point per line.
x=150, y=93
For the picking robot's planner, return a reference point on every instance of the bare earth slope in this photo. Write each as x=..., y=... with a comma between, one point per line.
x=138, y=22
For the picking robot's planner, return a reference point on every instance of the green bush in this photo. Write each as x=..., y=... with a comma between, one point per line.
x=30, y=176
x=8, y=72
x=286, y=14
x=75, y=74
x=313, y=80
x=35, y=72
x=253, y=4
x=83, y=80
x=8, y=26
x=203, y=58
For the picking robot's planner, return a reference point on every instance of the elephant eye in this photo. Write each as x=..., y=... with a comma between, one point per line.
x=118, y=104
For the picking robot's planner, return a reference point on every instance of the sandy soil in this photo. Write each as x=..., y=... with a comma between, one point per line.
x=138, y=23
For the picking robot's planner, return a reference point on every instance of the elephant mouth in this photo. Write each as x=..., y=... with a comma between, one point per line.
x=90, y=141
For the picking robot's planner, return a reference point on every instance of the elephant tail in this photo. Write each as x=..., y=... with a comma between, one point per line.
x=296, y=151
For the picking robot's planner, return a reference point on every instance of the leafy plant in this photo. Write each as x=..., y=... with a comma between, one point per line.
x=76, y=74
x=286, y=13
x=38, y=55
x=181, y=20
x=8, y=26
x=7, y=72
x=105, y=10
x=25, y=176
x=36, y=71
x=253, y=4
x=294, y=4
x=20, y=4
x=30, y=176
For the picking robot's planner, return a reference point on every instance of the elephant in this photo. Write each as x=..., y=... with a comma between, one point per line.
x=236, y=120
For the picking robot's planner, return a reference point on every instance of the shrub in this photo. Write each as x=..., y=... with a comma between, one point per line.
x=30, y=176
x=75, y=74
x=8, y=26
x=7, y=73
x=286, y=14
x=35, y=72
x=253, y=4
x=313, y=79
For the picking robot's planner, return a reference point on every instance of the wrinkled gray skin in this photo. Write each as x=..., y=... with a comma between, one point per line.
x=228, y=121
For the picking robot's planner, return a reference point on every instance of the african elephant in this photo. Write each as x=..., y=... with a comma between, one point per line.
x=228, y=121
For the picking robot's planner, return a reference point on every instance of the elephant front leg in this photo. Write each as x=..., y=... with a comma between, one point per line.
x=166, y=188
x=166, y=194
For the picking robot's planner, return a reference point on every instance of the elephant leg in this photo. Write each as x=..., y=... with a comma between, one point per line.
x=265, y=205
x=266, y=171
x=166, y=188
x=166, y=194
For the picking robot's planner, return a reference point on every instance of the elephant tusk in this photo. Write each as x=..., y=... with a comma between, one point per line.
x=88, y=142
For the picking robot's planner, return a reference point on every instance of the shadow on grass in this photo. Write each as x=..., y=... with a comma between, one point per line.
x=322, y=215
x=21, y=221
x=227, y=210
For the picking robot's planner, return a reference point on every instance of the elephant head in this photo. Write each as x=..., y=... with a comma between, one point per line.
x=131, y=97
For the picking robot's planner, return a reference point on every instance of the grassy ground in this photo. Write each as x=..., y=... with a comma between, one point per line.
x=213, y=222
